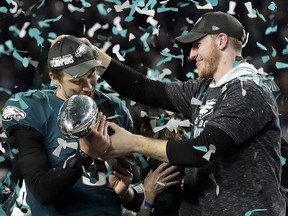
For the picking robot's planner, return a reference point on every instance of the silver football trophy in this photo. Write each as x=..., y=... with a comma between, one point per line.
x=76, y=115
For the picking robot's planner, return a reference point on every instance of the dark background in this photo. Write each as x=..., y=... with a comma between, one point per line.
x=15, y=77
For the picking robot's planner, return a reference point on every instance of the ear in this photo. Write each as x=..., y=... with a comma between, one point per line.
x=222, y=41
x=54, y=79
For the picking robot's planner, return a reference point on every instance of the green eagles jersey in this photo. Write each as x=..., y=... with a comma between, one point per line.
x=39, y=110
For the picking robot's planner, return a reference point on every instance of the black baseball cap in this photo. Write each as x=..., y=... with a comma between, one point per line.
x=213, y=23
x=72, y=56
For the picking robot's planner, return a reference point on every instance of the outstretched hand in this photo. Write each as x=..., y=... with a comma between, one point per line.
x=158, y=180
x=122, y=175
x=97, y=141
x=122, y=142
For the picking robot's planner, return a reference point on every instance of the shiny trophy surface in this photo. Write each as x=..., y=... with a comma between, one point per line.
x=76, y=115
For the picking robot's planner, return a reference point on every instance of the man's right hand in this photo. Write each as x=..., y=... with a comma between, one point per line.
x=97, y=141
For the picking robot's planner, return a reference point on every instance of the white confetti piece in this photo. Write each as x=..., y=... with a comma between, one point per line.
x=116, y=22
x=92, y=30
x=212, y=150
x=232, y=5
x=115, y=50
x=173, y=124
x=211, y=176
x=145, y=12
x=251, y=11
x=195, y=101
x=204, y=7
x=63, y=144
x=151, y=21
x=131, y=36
x=23, y=30
x=122, y=7
x=15, y=8
x=72, y=8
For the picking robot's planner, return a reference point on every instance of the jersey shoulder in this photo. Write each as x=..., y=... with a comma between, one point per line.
x=29, y=108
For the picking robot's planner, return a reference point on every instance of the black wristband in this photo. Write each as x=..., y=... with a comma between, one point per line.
x=84, y=155
x=80, y=159
x=136, y=203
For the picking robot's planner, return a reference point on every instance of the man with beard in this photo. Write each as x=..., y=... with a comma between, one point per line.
x=232, y=160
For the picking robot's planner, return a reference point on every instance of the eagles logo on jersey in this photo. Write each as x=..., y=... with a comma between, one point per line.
x=12, y=112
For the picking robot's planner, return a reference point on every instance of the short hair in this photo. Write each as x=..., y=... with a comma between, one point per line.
x=236, y=44
x=58, y=74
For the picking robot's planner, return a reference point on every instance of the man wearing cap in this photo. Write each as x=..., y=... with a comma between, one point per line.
x=233, y=156
x=63, y=176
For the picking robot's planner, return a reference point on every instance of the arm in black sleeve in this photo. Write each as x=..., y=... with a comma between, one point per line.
x=284, y=153
x=184, y=153
x=135, y=86
x=45, y=183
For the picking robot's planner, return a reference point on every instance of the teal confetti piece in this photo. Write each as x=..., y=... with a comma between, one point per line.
x=274, y=52
x=35, y=33
x=117, y=2
x=2, y=158
x=271, y=29
x=168, y=58
x=3, y=10
x=152, y=73
x=281, y=65
x=283, y=160
x=190, y=75
x=201, y=148
x=249, y=213
x=45, y=22
x=9, y=44
x=143, y=162
x=133, y=6
x=164, y=9
x=102, y=9
x=213, y=2
x=85, y=4
x=40, y=5
x=52, y=35
x=25, y=61
x=123, y=32
x=260, y=15
x=124, y=52
x=109, y=171
x=144, y=38
x=235, y=63
x=272, y=6
x=285, y=50
x=2, y=50
x=14, y=29
x=150, y=5
x=265, y=58
x=261, y=46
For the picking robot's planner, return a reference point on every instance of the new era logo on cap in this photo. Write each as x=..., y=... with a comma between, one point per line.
x=72, y=56
x=215, y=28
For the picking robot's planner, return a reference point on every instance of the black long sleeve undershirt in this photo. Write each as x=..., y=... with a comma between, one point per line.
x=182, y=152
x=135, y=86
x=45, y=183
